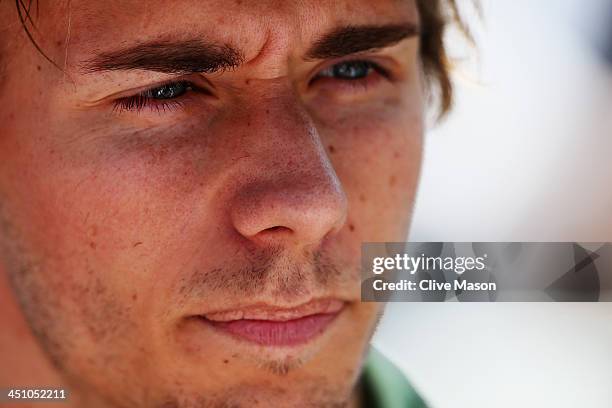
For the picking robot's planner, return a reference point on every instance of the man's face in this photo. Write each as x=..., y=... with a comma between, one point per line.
x=183, y=207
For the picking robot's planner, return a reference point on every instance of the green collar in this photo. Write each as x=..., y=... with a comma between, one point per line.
x=384, y=386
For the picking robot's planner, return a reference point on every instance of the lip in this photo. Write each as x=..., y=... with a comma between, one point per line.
x=275, y=326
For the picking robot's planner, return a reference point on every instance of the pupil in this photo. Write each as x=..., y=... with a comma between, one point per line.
x=169, y=91
x=353, y=70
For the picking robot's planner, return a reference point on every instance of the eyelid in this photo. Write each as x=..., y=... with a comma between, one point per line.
x=198, y=82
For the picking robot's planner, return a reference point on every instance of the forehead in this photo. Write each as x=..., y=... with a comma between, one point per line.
x=96, y=25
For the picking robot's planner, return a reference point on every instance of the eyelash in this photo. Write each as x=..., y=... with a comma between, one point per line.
x=147, y=100
x=140, y=101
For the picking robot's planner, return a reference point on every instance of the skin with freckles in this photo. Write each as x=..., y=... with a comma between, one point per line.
x=136, y=199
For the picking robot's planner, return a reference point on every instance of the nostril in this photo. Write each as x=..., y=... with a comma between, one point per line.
x=278, y=228
x=273, y=233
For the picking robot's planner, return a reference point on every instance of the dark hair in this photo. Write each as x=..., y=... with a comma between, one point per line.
x=435, y=16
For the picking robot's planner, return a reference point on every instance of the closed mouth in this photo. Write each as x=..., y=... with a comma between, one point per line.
x=277, y=326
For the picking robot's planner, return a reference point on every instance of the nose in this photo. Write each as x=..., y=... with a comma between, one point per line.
x=291, y=193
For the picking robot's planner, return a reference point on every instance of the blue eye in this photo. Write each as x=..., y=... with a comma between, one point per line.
x=349, y=70
x=161, y=98
x=168, y=91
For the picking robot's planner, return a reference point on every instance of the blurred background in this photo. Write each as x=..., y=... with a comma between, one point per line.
x=526, y=155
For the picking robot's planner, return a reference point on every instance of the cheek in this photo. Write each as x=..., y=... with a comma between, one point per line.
x=87, y=224
x=80, y=227
x=378, y=159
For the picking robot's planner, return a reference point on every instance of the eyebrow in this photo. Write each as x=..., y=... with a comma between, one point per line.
x=198, y=56
x=353, y=39
x=171, y=57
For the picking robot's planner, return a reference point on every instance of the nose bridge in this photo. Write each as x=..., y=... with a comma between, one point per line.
x=285, y=140
x=282, y=120
x=292, y=188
